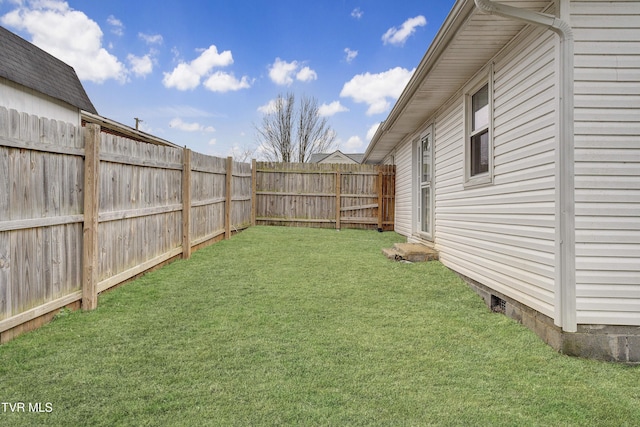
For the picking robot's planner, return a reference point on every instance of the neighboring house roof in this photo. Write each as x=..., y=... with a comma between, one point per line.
x=28, y=65
x=114, y=128
x=467, y=40
x=319, y=157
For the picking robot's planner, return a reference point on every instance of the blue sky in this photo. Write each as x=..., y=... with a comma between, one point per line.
x=201, y=73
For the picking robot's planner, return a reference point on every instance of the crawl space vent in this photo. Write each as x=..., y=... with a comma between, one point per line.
x=498, y=305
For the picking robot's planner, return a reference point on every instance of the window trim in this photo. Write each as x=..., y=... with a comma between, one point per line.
x=483, y=78
x=417, y=186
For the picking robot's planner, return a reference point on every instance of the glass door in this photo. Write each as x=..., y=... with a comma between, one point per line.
x=424, y=179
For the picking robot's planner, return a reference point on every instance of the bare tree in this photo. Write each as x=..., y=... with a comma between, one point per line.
x=314, y=133
x=284, y=140
x=242, y=154
x=275, y=132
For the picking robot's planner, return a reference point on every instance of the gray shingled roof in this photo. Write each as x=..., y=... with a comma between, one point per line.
x=28, y=65
x=318, y=157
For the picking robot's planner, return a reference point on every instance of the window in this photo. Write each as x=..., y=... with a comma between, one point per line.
x=479, y=138
x=422, y=185
x=478, y=146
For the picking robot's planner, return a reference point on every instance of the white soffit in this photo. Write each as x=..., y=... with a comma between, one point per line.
x=478, y=38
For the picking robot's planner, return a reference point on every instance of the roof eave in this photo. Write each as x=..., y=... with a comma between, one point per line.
x=452, y=24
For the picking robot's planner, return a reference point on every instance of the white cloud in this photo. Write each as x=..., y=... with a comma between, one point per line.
x=335, y=107
x=357, y=13
x=372, y=131
x=377, y=90
x=187, y=75
x=213, y=141
x=282, y=72
x=351, y=54
x=117, y=27
x=353, y=145
x=225, y=82
x=140, y=65
x=306, y=74
x=179, y=124
x=268, y=108
x=398, y=36
x=151, y=38
x=69, y=35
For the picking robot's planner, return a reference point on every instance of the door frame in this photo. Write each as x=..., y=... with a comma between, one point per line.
x=419, y=184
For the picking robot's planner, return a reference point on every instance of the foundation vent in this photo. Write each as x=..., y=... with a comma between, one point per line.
x=498, y=305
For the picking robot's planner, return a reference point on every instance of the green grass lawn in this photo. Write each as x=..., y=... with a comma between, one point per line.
x=294, y=326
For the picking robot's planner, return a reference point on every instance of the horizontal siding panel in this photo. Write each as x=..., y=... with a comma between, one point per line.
x=494, y=279
x=530, y=145
x=521, y=63
x=544, y=195
x=506, y=190
x=621, y=62
x=544, y=161
x=514, y=89
x=608, y=101
x=605, y=250
x=607, y=48
x=607, y=74
x=534, y=124
x=534, y=232
x=623, y=21
x=536, y=244
x=621, y=236
x=605, y=34
x=607, y=8
x=616, y=281
x=600, y=182
x=523, y=175
x=523, y=269
x=511, y=208
x=603, y=210
x=608, y=318
x=608, y=196
x=607, y=129
x=615, y=115
x=596, y=141
x=541, y=100
x=607, y=223
x=609, y=304
x=606, y=88
x=609, y=155
x=533, y=261
x=608, y=263
x=502, y=219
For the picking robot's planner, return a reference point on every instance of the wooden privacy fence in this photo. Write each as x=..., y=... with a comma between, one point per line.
x=82, y=211
x=324, y=195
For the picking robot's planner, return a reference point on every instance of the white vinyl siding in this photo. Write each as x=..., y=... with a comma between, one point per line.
x=21, y=98
x=607, y=139
x=404, y=175
x=503, y=235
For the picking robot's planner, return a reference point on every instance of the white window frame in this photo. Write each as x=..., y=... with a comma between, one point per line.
x=484, y=78
x=418, y=185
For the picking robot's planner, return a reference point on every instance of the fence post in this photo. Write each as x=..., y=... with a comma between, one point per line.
x=254, y=179
x=338, y=199
x=380, y=200
x=90, y=227
x=227, y=205
x=186, y=203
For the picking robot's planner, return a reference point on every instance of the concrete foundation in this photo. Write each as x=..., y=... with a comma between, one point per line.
x=611, y=343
